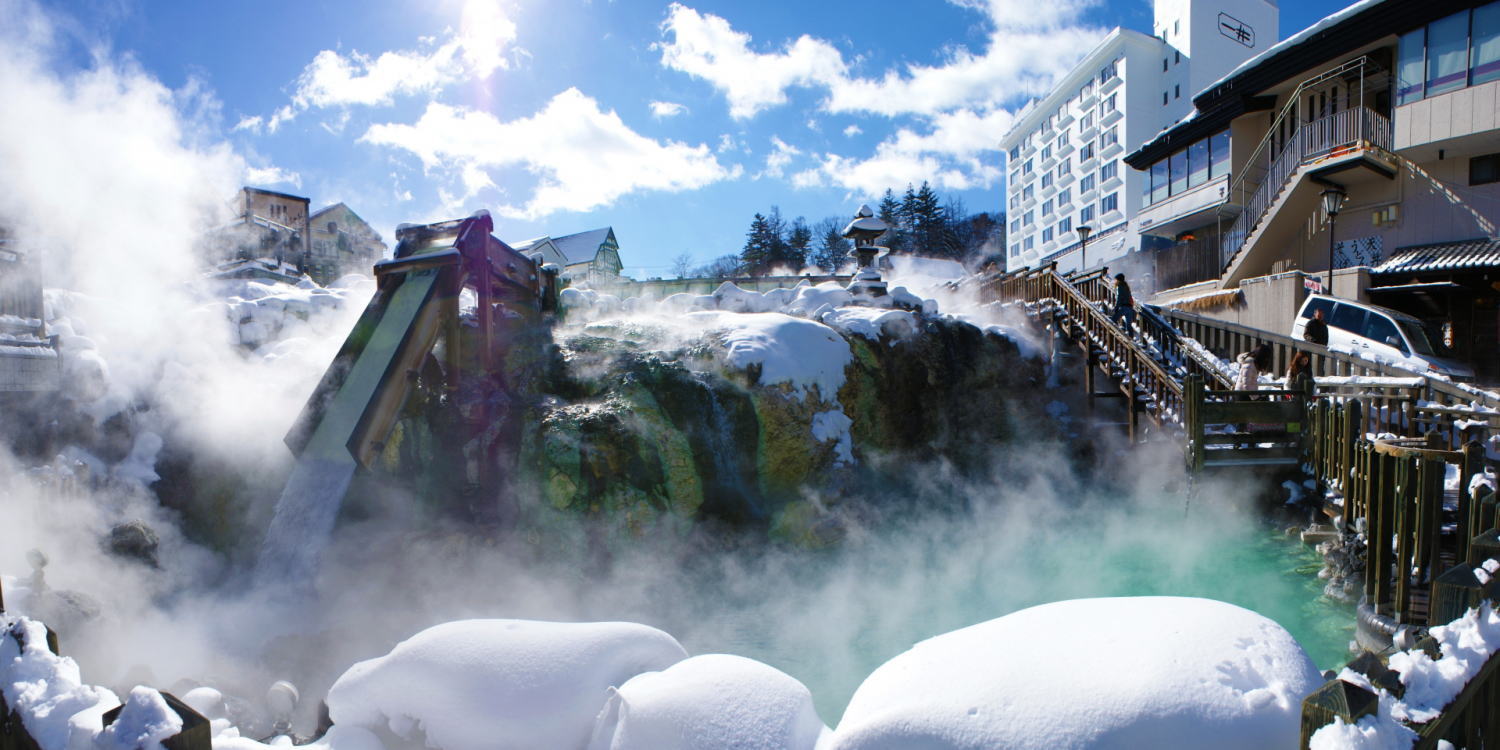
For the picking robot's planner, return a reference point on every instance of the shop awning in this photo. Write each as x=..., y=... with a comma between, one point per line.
x=1465, y=255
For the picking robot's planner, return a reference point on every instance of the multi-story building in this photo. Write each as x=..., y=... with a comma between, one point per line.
x=341, y=242
x=267, y=225
x=1064, y=151
x=1360, y=156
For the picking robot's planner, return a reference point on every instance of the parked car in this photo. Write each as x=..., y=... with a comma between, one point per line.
x=1380, y=334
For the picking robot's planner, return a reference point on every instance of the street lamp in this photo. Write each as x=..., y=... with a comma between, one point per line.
x=1333, y=200
x=1084, y=231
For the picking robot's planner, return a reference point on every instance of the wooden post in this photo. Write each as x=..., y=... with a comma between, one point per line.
x=1192, y=398
x=1468, y=518
x=1335, y=700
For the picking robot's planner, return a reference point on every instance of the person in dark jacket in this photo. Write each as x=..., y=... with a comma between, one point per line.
x=1316, y=330
x=1124, y=303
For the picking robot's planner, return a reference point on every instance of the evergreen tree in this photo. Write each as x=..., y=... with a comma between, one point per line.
x=760, y=245
x=833, y=248
x=799, y=243
x=780, y=251
x=890, y=213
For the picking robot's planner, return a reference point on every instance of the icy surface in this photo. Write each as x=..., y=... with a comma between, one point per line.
x=1132, y=672
x=833, y=425
x=710, y=702
x=496, y=684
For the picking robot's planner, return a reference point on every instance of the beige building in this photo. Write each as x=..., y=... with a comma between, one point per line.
x=1387, y=113
x=341, y=243
x=268, y=225
x=592, y=256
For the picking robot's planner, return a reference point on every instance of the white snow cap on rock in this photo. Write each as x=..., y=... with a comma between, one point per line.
x=143, y=723
x=1090, y=673
x=802, y=353
x=58, y=710
x=499, y=684
x=710, y=702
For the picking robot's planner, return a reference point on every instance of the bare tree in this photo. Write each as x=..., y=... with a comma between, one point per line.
x=682, y=265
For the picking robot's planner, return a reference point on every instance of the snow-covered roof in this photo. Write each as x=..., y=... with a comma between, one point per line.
x=1297, y=39
x=583, y=246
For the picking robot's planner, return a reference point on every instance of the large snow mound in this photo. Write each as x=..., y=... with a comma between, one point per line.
x=710, y=702
x=494, y=684
x=58, y=709
x=802, y=353
x=1090, y=673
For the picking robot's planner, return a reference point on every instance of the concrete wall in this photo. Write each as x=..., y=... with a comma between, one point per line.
x=1271, y=302
x=1467, y=111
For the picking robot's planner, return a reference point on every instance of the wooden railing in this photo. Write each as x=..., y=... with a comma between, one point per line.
x=1256, y=428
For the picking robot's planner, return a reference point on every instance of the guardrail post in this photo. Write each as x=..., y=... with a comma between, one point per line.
x=1192, y=398
x=1468, y=519
x=1335, y=700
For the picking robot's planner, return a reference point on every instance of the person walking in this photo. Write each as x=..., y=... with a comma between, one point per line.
x=1124, y=304
x=1316, y=330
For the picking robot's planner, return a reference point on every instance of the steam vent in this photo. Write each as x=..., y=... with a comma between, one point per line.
x=440, y=388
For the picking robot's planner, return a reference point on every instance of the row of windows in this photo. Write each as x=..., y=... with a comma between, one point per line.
x=1184, y=170
x=1064, y=226
x=1109, y=138
x=1086, y=119
x=1460, y=50
x=1106, y=173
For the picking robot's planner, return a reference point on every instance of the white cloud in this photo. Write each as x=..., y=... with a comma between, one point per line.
x=583, y=157
x=780, y=156
x=1029, y=46
x=474, y=51
x=852, y=131
x=951, y=155
x=272, y=175
x=707, y=47
x=661, y=110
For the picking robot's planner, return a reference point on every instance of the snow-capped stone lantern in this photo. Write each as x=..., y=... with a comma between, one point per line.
x=863, y=230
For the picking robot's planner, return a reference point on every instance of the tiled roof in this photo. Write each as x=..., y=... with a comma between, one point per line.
x=581, y=247
x=1471, y=255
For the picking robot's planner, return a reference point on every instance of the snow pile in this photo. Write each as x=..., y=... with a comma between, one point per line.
x=58, y=710
x=1122, y=672
x=871, y=322
x=708, y=702
x=833, y=425
x=487, y=684
x=260, y=312
x=143, y=723
x=801, y=353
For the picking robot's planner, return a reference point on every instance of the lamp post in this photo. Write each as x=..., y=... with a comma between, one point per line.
x=1333, y=200
x=1084, y=231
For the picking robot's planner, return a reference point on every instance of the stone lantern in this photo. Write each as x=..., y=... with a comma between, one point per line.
x=863, y=230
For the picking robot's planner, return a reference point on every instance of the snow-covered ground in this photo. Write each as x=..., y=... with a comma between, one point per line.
x=1122, y=672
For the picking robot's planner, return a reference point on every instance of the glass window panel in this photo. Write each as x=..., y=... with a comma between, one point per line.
x=1159, y=181
x=1218, y=151
x=1447, y=53
x=1178, y=169
x=1198, y=163
x=1484, y=51
x=1380, y=328
x=1409, y=65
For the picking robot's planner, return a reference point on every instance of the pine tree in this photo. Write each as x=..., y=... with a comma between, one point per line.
x=759, y=246
x=890, y=213
x=780, y=251
x=799, y=243
x=833, y=249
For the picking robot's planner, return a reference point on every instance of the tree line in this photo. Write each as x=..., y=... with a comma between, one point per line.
x=922, y=224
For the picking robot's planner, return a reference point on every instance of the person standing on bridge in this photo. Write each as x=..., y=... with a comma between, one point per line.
x=1299, y=372
x=1316, y=330
x=1124, y=304
x=1252, y=364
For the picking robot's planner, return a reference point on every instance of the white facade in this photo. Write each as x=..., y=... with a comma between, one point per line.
x=1064, y=155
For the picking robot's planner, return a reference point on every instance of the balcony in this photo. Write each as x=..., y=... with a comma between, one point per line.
x=1089, y=131
x=1089, y=164
x=1109, y=85
x=1111, y=151
x=1112, y=182
x=1048, y=160
x=1049, y=190
x=1064, y=118
x=1088, y=98
x=1110, y=117
x=1029, y=148
x=1063, y=149
x=1064, y=179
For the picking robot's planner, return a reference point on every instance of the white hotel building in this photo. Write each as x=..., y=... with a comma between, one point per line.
x=1065, y=150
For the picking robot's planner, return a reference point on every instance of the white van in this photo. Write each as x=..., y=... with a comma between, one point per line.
x=1380, y=334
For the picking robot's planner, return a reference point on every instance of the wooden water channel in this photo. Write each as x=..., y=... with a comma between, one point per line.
x=1399, y=452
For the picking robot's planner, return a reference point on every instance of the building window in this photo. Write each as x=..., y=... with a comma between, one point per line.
x=1177, y=171
x=1086, y=215
x=1108, y=105
x=1015, y=227
x=1177, y=91
x=1046, y=180
x=1086, y=184
x=1163, y=98
x=1447, y=53
x=1027, y=168
x=1110, y=202
x=1030, y=242
x=1178, y=60
x=1026, y=220
x=1062, y=139
x=1015, y=153
x=1047, y=207
x=1218, y=154
x=1108, y=171
x=1046, y=153
x=1484, y=170
x=1065, y=226
x=1064, y=196
x=1110, y=138
x=1484, y=64
x=1046, y=235
x=1087, y=152
x=1158, y=179
x=1409, y=63
x=1164, y=65
x=1028, y=193
x=1063, y=167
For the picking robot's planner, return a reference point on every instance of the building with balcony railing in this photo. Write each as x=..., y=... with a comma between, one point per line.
x=1069, y=145
x=1331, y=162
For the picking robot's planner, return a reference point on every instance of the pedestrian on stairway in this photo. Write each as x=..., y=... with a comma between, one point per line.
x=1252, y=364
x=1124, y=304
x=1316, y=330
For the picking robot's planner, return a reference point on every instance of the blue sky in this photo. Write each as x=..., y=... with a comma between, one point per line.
x=672, y=122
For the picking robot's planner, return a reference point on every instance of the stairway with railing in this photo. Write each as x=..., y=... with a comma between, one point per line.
x=1290, y=144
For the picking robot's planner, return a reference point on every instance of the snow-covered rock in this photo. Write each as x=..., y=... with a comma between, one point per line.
x=499, y=684
x=144, y=722
x=1090, y=673
x=803, y=353
x=57, y=708
x=710, y=702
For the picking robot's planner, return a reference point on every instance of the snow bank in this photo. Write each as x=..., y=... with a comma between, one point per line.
x=710, y=702
x=802, y=353
x=871, y=322
x=59, y=711
x=488, y=684
x=144, y=722
x=1123, y=672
